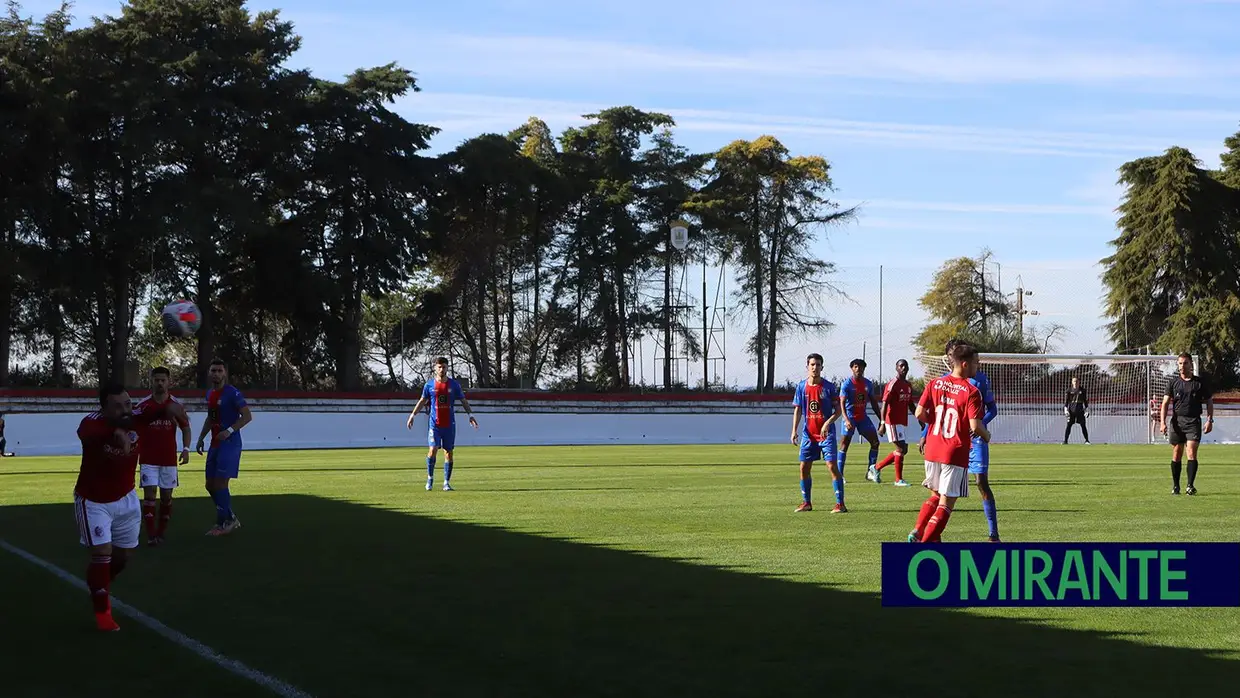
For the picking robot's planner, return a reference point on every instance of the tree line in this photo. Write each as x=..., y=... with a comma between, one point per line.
x=170, y=152
x=1173, y=280
x=964, y=301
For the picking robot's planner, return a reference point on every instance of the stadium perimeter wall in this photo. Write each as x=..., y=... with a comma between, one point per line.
x=45, y=422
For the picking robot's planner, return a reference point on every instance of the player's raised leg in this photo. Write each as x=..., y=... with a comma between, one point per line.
x=895, y=433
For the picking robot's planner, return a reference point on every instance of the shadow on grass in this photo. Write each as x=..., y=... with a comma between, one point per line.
x=348, y=600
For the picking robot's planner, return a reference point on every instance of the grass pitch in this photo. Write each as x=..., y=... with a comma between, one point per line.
x=604, y=571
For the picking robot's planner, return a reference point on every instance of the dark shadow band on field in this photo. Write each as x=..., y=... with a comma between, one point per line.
x=342, y=599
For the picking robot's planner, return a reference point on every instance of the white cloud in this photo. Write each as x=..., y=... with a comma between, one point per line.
x=468, y=113
x=1006, y=62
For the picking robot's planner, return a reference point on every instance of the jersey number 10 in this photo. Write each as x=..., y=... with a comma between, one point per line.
x=947, y=422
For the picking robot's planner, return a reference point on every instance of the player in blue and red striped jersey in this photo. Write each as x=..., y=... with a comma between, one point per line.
x=440, y=395
x=856, y=394
x=816, y=436
x=227, y=415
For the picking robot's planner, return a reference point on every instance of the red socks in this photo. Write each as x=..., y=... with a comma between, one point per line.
x=891, y=458
x=938, y=522
x=148, y=517
x=165, y=514
x=928, y=508
x=98, y=579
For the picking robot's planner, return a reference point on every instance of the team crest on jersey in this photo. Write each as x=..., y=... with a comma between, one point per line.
x=98, y=531
x=813, y=406
x=133, y=437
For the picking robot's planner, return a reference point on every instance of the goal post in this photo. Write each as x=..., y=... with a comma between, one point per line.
x=1124, y=391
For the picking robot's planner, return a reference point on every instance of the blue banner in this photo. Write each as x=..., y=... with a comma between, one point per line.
x=1061, y=574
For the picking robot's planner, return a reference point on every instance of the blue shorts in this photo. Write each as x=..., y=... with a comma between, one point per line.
x=441, y=437
x=815, y=450
x=979, y=457
x=864, y=426
x=224, y=460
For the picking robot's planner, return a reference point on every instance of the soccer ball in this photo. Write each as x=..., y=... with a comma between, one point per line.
x=181, y=318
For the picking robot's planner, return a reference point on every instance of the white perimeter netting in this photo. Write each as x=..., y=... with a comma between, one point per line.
x=1124, y=395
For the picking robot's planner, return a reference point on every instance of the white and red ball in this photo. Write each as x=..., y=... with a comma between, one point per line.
x=181, y=318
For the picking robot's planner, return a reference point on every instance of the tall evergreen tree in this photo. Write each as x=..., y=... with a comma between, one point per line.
x=1173, y=282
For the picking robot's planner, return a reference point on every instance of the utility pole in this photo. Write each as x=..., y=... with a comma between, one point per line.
x=1020, y=305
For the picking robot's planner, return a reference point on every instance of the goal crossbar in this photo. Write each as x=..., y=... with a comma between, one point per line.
x=1073, y=359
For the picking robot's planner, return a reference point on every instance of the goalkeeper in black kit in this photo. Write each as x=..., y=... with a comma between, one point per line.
x=1076, y=409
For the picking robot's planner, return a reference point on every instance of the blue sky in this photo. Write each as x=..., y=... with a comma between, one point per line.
x=956, y=123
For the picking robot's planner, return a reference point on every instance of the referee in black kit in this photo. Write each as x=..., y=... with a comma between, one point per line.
x=1186, y=393
x=1076, y=409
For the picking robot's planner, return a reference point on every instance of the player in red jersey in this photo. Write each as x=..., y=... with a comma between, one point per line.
x=105, y=502
x=947, y=404
x=159, y=459
x=897, y=404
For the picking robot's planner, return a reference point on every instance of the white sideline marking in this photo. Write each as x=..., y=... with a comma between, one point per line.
x=271, y=683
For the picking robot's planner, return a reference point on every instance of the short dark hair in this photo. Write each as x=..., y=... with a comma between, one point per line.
x=901, y=361
x=1186, y=355
x=951, y=344
x=962, y=351
x=161, y=371
x=857, y=362
x=443, y=360
x=813, y=356
x=109, y=389
x=220, y=363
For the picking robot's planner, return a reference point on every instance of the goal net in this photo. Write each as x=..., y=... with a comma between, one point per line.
x=1031, y=390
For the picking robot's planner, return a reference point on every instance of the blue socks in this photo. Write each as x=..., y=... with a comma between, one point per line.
x=223, y=506
x=430, y=466
x=838, y=486
x=447, y=469
x=840, y=461
x=873, y=456
x=992, y=516
x=807, y=486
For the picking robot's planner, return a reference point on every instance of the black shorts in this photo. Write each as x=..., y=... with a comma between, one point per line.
x=1183, y=429
x=1075, y=418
